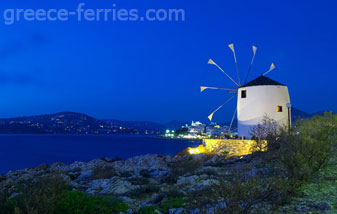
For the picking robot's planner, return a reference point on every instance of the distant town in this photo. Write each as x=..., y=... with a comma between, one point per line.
x=77, y=123
x=198, y=130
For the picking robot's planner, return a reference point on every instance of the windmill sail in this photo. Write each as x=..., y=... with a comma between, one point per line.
x=231, y=46
x=210, y=117
x=251, y=64
x=272, y=67
x=211, y=62
x=203, y=88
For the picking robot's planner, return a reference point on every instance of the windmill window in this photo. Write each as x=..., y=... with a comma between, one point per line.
x=244, y=94
x=279, y=109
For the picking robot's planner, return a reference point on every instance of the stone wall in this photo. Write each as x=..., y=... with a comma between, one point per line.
x=230, y=147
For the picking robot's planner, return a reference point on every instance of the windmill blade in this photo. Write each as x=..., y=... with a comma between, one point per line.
x=211, y=62
x=251, y=64
x=231, y=46
x=210, y=117
x=230, y=127
x=203, y=88
x=272, y=67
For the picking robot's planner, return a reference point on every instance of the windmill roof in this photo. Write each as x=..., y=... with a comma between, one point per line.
x=262, y=80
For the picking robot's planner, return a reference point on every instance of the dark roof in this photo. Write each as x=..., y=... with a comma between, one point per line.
x=262, y=80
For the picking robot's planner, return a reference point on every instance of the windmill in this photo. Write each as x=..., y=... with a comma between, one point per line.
x=248, y=120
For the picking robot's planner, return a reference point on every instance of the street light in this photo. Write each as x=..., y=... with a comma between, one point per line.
x=289, y=116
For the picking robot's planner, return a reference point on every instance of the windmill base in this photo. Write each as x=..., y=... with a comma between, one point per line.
x=230, y=148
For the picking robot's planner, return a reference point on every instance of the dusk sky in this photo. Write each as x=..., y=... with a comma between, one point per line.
x=133, y=70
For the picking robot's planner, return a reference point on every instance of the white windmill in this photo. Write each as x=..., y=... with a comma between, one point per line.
x=256, y=99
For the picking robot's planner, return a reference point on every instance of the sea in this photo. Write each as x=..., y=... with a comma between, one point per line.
x=29, y=151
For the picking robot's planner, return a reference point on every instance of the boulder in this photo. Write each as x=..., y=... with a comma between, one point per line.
x=110, y=186
x=177, y=211
x=147, y=162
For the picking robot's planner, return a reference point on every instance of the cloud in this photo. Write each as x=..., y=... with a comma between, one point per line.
x=11, y=49
x=34, y=40
x=16, y=79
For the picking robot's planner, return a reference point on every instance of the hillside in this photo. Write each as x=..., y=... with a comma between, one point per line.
x=70, y=123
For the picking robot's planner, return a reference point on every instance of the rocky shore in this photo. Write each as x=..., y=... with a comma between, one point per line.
x=150, y=180
x=141, y=181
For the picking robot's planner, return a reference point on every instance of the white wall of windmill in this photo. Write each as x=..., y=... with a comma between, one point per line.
x=261, y=101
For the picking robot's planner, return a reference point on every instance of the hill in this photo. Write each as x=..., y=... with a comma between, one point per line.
x=72, y=123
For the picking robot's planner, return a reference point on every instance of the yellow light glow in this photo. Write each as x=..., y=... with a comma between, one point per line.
x=236, y=148
x=194, y=151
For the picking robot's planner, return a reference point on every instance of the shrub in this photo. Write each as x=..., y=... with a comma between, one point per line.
x=7, y=206
x=308, y=148
x=180, y=168
x=172, y=203
x=174, y=192
x=39, y=196
x=144, y=191
x=200, y=198
x=251, y=195
x=299, y=155
x=268, y=130
x=74, y=202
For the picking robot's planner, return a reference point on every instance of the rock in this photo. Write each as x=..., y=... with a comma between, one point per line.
x=176, y=211
x=203, y=184
x=135, y=165
x=215, y=160
x=213, y=209
x=321, y=206
x=190, y=180
x=159, y=173
x=76, y=166
x=195, y=211
x=109, y=160
x=74, y=184
x=42, y=167
x=84, y=176
x=110, y=186
x=200, y=156
x=126, y=199
x=255, y=172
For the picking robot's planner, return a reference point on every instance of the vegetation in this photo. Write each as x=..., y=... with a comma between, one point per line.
x=51, y=195
x=164, y=207
x=180, y=168
x=181, y=131
x=299, y=162
x=172, y=203
x=35, y=196
x=74, y=202
x=298, y=156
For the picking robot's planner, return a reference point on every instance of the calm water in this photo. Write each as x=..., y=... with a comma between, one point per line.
x=27, y=151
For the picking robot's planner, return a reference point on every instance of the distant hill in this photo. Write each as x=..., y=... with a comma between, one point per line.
x=77, y=123
x=72, y=123
x=321, y=113
x=176, y=124
x=297, y=114
x=61, y=123
x=143, y=126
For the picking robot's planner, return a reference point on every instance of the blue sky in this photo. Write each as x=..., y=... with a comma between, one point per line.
x=153, y=70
